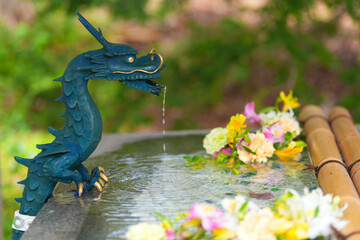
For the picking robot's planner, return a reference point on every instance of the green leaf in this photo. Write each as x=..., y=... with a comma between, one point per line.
x=193, y=159
x=222, y=157
x=235, y=171
x=246, y=132
x=316, y=211
x=164, y=220
x=197, y=158
x=288, y=137
x=300, y=144
x=180, y=216
x=242, y=211
x=267, y=109
x=277, y=145
x=160, y=216
x=247, y=139
x=188, y=159
x=280, y=237
x=248, y=150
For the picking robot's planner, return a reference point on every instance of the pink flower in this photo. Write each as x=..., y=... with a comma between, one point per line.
x=242, y=141
x=210, y=216
x=227, y=151
x=274, y=133
x=250, y=113
x=170, y=234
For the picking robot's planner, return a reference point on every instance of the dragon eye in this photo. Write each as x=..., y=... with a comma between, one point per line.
x=131, y=59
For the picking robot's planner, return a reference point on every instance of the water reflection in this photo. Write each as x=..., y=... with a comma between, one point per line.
x=143, y=181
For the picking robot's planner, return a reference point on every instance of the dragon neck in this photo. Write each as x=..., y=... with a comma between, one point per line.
x=83, y=121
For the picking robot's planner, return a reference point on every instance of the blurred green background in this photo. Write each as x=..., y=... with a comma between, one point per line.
x=219, y=55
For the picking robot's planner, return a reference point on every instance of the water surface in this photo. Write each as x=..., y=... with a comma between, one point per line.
x=144, y=180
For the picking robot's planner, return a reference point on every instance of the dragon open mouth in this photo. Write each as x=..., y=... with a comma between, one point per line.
x=142, y=78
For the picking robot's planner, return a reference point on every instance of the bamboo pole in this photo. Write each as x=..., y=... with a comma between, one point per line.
x=332, y=176
x=348, y=139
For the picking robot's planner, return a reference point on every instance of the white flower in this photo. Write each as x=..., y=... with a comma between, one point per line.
x=260, y=145
x=146, y=231
x=320, y=211
x=215, y=140
x=287, y=120
x=233, y=205
x=257, y=226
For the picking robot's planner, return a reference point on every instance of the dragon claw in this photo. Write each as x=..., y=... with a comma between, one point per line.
x=101, y=182
x=103, y=176
x=81, y=189
x=101, y=169
x=98, y=186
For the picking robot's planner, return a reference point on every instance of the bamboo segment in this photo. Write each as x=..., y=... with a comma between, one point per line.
x=348, y=139
x=333, y=176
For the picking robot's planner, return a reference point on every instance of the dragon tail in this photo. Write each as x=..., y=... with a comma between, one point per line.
x=37, y=189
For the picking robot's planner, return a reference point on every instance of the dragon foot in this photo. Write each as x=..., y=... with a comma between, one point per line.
x=98, y=179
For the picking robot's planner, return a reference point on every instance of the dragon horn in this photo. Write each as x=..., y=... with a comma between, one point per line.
x=97, y=34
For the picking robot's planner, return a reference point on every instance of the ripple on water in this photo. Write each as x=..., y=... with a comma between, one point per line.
x=142, y=182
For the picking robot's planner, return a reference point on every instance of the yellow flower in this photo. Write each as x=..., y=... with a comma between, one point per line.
x=236, y=126
x=298, y=232
x=223, y=234
x=289, y=153
x=289, y=101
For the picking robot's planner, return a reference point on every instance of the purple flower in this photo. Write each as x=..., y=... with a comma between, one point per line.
x=210, y=216
x=227, y=151
x=250, y=113
x=274, y=133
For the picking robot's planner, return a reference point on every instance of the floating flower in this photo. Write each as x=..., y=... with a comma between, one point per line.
x=259, y=145
x=250, y=113
x=298, y=231
x=215, y=140
x=292, y=217
x=290, y=125
x=210, y=216
x=233, y=205
x=235, y=127
x=286, y=120
x=146, y=231
x=270, y=117
x=224, y=234
x=257, y=226
x=319, y=212
x=290, y=152
x=170, y=234
x=274, y=133
x=289, y=101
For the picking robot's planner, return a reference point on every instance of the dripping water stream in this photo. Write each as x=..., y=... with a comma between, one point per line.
x=163, y=120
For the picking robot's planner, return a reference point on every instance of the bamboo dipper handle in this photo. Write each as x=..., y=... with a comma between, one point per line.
x=348, y=139
x=333, y=177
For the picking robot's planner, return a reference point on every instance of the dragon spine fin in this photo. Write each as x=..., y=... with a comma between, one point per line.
x=22, y=161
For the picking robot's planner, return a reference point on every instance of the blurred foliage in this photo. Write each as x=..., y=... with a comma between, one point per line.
x=210, y=62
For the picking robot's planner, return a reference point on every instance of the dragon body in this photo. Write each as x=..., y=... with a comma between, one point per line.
x=61, y=160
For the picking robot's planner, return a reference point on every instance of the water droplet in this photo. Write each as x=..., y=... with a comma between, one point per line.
x=163, y=121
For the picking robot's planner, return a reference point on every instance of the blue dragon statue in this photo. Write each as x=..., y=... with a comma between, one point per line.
x=61, y=160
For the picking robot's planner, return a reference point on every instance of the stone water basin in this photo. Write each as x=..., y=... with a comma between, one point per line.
x=144, y=179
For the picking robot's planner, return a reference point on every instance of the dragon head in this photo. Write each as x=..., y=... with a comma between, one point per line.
x=119, y=62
